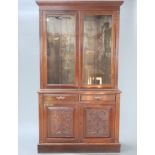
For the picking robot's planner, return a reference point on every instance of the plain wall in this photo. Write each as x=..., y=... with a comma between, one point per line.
x=29, y=77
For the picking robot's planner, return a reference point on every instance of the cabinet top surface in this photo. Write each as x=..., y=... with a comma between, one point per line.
x=80, y=0
x=75, y=1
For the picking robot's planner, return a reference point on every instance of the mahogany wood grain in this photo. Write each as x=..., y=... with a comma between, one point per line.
x=80, y=91
x=97, y=132
x=60, y=97
x=117, y=21
x=41, y=127
x=67, y=113
x=117, y=118
x=79, y=147
x=97, y=97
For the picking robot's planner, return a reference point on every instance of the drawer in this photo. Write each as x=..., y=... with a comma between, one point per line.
x=60, y=97
x=97, y=97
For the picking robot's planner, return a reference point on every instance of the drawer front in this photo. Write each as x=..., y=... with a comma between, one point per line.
x=98, y=97
x=60, y=97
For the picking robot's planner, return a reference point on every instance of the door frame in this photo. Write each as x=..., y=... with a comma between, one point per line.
x=113, y=49
x=43, y=49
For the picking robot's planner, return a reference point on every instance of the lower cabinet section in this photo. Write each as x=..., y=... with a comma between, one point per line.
x=75, y=123
x=79, y=122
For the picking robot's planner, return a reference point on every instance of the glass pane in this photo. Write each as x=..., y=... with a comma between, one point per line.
x=97, y=50
x=61, y=49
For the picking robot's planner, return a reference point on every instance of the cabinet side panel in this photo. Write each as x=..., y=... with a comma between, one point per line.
x=41, y=139
x=117, y=20
x=117, y=117
x=41, y=48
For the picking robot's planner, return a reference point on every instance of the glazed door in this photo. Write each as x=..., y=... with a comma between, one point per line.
x=97, y=50
x=97, y=122
x=60, y=50
x=78, y=49
x=60, y=122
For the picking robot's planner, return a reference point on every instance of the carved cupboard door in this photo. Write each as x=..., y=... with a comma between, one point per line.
x=60, y=122
x=97, y=123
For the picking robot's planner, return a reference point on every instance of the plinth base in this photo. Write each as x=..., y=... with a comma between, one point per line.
x=78, y=147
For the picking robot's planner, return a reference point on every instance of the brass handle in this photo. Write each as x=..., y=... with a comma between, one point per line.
x=98, y=97
x=60, y=97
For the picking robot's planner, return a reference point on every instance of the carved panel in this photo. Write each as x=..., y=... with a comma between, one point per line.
x=60, y=121
x=97, y=122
